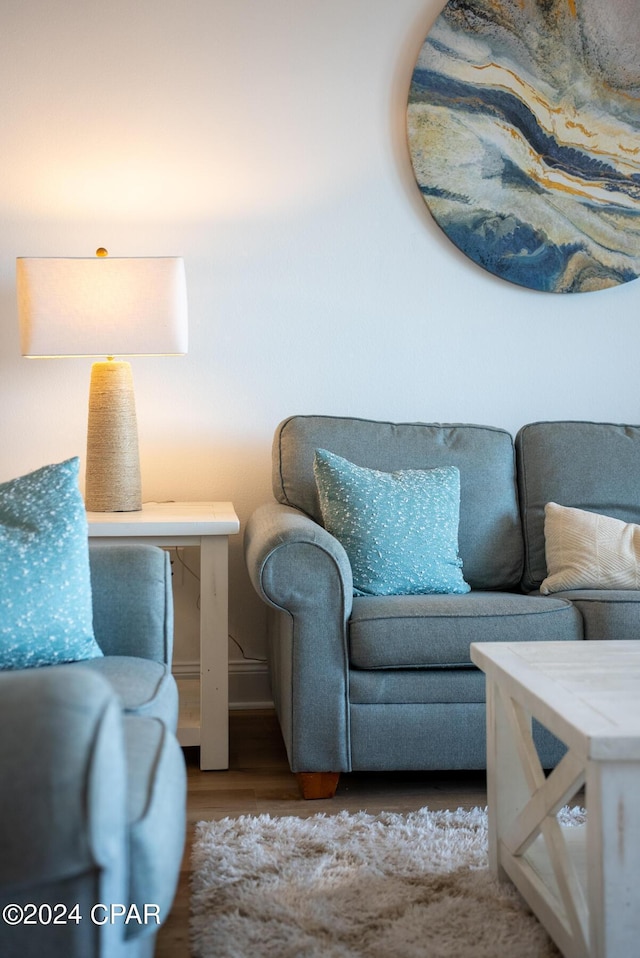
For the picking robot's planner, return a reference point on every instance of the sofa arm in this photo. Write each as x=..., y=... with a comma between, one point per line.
x=62, y=804
x=132, y=600
x=300, y=569
x=274, y=527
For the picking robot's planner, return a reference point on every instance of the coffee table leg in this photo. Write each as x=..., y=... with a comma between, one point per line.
x=613, y=858
x=507, y=790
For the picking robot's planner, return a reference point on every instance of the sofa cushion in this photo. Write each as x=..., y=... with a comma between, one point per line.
x=46, y=614
x=416, y=686
x=399, y=529
x=402, y=632
x=586, y=550
x=156, y=799
x=608, y=614
x=489, y=535
x=586, y=465
x=143, y=687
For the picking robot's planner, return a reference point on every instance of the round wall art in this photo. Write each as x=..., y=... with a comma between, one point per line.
x=524, y=133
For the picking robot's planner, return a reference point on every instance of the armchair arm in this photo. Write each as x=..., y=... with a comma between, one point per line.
x=132, y=600
x=301, y=570
x=62, y=803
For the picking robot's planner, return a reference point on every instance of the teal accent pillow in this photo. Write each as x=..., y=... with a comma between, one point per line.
x=399, y=529
x=46, y=613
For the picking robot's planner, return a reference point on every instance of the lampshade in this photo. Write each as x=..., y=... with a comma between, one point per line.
x=105, y=307
x=109, y=306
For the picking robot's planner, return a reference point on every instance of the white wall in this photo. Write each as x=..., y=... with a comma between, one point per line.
x=264, y=141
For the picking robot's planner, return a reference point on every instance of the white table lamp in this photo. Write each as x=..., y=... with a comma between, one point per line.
x=105, y=306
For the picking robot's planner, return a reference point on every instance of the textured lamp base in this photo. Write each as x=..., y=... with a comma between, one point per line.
x=113, y=464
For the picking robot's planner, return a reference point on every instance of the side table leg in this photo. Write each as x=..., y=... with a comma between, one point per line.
x=214, y=653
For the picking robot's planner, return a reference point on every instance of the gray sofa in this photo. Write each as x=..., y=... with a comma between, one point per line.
x=386, y=682
x=92, y=780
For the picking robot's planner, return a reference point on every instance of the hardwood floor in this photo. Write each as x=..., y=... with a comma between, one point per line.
x=259, y=782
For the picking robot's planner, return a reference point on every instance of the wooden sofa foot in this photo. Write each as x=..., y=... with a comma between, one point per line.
x=318, y=784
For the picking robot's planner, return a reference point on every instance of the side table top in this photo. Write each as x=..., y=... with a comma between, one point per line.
x=167, y=519
x=590, y=686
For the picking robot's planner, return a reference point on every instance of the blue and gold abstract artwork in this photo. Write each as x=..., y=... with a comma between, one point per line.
x=524, y=133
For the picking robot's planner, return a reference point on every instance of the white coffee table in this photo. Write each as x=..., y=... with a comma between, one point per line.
x=583, y=883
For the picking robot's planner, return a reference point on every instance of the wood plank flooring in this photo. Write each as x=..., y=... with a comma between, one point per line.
x=259, y=782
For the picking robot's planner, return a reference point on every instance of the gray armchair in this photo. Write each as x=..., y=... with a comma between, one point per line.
x=386, y=682
x=92, y=780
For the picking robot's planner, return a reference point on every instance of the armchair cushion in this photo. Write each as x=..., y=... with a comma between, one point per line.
x=46, y=614
x=143, y=687
x=399, y=529
x=132, y=600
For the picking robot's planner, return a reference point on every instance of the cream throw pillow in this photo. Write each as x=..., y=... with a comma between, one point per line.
x=585, y=550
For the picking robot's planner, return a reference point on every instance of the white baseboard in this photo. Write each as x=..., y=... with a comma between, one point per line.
x=249, y=685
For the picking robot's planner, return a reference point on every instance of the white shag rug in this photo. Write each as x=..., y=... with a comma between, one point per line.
x=357, y=886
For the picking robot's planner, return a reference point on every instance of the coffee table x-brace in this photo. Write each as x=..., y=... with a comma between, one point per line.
x=582, y=882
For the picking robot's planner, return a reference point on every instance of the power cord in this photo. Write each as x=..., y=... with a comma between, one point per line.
x=180, y=559
x=248, y=658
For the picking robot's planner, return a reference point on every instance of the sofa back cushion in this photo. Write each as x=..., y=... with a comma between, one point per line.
x=490, y=537
x=593, y=466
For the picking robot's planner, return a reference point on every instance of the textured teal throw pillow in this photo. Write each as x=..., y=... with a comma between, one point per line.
x=399, y=529
x=46, y=614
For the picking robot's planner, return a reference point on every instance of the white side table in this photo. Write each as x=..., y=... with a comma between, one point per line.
x=204, y=711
